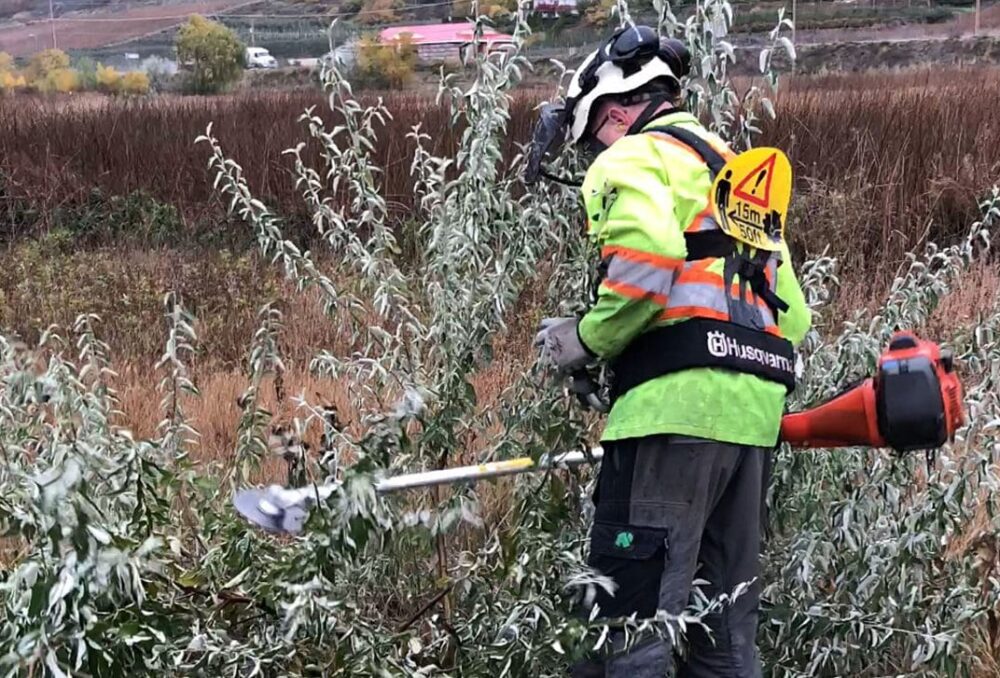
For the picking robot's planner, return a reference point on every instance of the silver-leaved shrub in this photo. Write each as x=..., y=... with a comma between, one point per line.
x=122, y=557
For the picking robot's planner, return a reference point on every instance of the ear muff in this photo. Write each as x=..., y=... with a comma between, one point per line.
x=675, y=53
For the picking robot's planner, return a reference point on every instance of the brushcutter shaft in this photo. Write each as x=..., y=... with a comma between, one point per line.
x=278, y=509
x=493, y=469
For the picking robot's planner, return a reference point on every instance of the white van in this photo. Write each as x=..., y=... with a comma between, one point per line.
x=259, y=57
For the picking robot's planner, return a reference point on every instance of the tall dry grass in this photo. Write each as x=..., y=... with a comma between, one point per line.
x=54, y=152
x=885, y=161
x=878, y=157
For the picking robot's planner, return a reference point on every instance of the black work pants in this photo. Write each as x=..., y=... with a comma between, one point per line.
x=669, y=510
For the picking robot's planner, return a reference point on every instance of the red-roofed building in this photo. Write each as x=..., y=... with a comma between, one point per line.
x=554, y=8
x=437, y=42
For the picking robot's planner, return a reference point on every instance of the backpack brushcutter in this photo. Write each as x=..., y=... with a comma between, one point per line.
x=914, y=402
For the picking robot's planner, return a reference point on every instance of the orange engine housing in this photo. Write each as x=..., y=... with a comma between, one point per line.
x=913, y=402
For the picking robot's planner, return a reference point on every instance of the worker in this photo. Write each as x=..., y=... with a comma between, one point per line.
x=698, y=330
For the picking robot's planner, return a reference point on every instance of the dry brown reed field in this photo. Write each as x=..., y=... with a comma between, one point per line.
x=878, y=158
x=883, y=152
x=53, y=152
x=885, y=161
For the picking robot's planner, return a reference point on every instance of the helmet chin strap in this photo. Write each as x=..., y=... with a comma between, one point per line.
x=648, y=113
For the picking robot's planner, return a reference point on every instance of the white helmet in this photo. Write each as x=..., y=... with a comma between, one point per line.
x=633, y=57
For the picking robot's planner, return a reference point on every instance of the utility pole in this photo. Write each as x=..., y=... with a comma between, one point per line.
x=52, y=23
x=979, y=6
x=794, y=22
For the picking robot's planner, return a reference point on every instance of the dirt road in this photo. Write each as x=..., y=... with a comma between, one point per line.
x=97, y=29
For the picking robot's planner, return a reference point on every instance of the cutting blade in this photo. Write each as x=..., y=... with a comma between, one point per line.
x=264, y=507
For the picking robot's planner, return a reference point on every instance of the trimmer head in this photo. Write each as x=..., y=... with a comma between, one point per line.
x=272, y=509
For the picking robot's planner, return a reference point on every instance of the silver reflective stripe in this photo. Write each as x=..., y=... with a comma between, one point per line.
x=766, y=316
x=707, y=224
x=772, y=270
x=714, y=298
x=646, y=277
x=698, y=294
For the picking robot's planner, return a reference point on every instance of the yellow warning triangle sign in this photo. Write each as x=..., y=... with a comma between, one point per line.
x=758, y=194
x=750, y=197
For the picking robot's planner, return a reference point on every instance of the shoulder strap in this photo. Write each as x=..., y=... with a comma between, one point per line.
x=752, y=270
x=708, y=244
x=712, y=158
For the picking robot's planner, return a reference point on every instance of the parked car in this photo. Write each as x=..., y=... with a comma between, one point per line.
x=259, y=57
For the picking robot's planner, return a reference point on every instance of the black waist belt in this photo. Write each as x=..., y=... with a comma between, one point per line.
x=701, y=342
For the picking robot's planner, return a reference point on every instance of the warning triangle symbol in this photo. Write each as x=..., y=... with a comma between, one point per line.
x=759, y=181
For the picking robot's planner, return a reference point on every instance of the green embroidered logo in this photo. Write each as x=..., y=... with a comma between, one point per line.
x=624, y=540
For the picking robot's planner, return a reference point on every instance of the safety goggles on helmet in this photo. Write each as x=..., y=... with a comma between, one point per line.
x=633, y=42
x=633, y=45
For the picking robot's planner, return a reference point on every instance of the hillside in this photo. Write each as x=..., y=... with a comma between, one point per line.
x=107, y=26
x=88, y=24
x=27, y=9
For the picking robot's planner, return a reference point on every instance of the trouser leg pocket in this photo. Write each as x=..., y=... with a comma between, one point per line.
x=634, y=557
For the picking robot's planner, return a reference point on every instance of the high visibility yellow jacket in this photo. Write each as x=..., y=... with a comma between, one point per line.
x=641, y=195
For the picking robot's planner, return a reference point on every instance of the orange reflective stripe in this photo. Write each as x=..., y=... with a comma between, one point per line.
x=633, y=292
x=685, y=312
x=657, y=260
x=693, y=312
x=757, y=301
x=699, y=219
x=735, y=292
x=699, y=273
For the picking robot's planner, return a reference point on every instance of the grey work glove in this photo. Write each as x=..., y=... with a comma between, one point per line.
x=559, y=343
